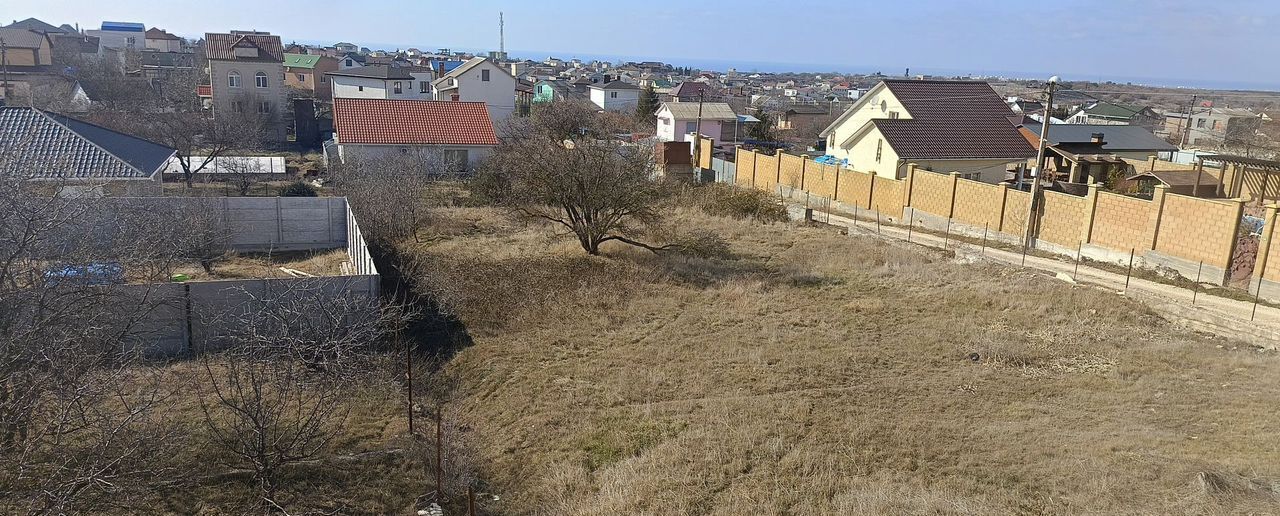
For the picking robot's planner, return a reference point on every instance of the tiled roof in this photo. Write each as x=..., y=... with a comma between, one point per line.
x=301, y=60
x=220, y=46
x=59, y=146
x=412, y=122
x=952, y=119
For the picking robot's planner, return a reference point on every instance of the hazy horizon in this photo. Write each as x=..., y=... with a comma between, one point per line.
x=1158, y=42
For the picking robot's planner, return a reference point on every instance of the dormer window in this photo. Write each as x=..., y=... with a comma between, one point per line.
x=246, y=51
x=233, y=79
x=260, y=80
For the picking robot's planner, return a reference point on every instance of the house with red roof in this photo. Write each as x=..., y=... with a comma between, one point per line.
x=943, y=126
x=461, y=132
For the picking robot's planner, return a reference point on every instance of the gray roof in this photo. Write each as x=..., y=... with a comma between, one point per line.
x=710, y=110
x=36, y=25
x=47, y=145
x=21, y=38
x=1117, y=138
x=375, y=72
x=615, y=85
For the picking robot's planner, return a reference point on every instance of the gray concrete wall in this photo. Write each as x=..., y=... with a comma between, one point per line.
x=286, y=223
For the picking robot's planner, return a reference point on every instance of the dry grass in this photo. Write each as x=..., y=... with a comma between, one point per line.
x=814, y=373
x=267, y=265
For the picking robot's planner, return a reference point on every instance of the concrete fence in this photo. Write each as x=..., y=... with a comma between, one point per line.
x=1170, y=230
x=183, y=318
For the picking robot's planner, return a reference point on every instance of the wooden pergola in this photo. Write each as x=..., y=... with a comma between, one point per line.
x=1239, y=166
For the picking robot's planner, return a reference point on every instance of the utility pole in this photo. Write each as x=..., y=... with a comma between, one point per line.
x=1039, y=169
x=502, y=36
x=1186, y=131
x=697, y=128
x=4, y=69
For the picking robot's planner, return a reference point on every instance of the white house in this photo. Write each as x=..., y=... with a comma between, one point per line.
x=121, y=35
x=460, y=132
x=381, y=82
x=615, y=96
x=677, y=120
x=479, y=80
x=943, y=126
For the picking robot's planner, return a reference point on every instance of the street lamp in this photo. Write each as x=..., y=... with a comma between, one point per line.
x=1038, y=170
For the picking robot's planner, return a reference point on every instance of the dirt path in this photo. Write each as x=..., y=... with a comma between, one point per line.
x=1213, y=314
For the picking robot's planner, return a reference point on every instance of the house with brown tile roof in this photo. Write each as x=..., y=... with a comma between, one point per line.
x=246, y=70
x=944, y=126
x=460, y=133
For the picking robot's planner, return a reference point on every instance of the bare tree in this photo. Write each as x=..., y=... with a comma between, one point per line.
x=243, y=173
x=387, y=191
x=199, y=138
x=274, y=396
x=570, y=170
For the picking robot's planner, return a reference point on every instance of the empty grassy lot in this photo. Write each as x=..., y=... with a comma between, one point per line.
x=809, y=372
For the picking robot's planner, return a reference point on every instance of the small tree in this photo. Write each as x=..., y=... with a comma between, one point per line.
x=762, y=130
x=387, y=192
x=242, y=173
x=647, y=107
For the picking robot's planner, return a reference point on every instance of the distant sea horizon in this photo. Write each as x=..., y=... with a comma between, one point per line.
x=750, y=66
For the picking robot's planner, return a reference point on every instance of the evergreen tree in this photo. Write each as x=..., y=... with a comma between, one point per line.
x=647, y=107
x=762, y=130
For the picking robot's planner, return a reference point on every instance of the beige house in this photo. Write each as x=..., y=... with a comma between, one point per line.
x=246, y=71
x=943, y=126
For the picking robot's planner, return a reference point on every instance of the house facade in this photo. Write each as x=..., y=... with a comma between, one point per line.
x=1214, y=125
x=460, y=133
x=678, y=120
x=1105, y=113
x=944, y=126
x=615, y=96
x=121, y=35
x=381, y=82
x=308, y=73
x=246, y=70
x=479, y=80
x=161, y=41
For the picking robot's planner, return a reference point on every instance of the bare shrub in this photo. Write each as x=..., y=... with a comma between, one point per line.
x=738, y=203
x=388, y=191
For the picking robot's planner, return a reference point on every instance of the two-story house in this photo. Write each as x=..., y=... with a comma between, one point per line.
x=161, y=41
x=1107, y=113
x=381, y=82
x=246, y=70
x=28, y=55
x=479, y=80
x=615, y=96
x=678, y=120
x=307, y=73
x=944, y=126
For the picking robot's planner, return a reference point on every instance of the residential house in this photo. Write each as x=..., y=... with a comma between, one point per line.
x=1213, y=126
x=555, y=91
x=346, y=48
x=1106, y=113
x=678, y=120
x=121, y=35
x=158, y=66
x=246, y=69
x=799, y=116
x=161, y=41
x=479, y=80
x=940, y=125
x=1122, y=141
x=28, y=57
x=37, y=25
x=307, y=73
x=615, y=96
x=692, y=91
x=461, y=132
x=381, y=82
x=440, y=67
x=350, y=60
x=78, y=158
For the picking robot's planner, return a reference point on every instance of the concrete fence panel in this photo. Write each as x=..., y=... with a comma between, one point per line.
x=979, y=204
x=1063, y=219
x=820, y=179
x=746, y=166
x=767, y=172
x=1122, y=223
x=1014, y=219
x=792, y=171
x=932, y=193
x=1198, y=230
x=887, y=196
x=854, y=188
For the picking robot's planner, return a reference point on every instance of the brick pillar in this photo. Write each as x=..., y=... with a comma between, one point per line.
x=951, y=205
x=906, y=187
x=1264, y=246
x=755, y=158
x=1004, y=200
x=1157, y=203
x=1091, y=211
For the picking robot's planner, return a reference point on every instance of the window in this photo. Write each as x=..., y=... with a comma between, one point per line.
x=690, y=127
x=422, y=86
x=260, y=80
x=879, y=149
x=131, y=42
x=348, y=62
x=484, y=75
x=264, y=107
x=233, y=79
x=613, y=94
x=324, y=79
x=455, y=160
x=236, y=107
x=893, y=115
x=397, y=88
x=1200, y=123
x=359, y=88
x=302, y=78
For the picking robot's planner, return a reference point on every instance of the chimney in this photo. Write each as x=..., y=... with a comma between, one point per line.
x=1096, y=138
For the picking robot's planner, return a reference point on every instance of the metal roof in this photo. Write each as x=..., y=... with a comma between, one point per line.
x=1117, y=138
x=46, y=145
x=301, y=60
x=710, y=110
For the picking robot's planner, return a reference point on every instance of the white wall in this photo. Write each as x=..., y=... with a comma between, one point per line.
x=351, y=88
x=498, y=93
x=625, y=100
x=878, y=103
x=475, y=153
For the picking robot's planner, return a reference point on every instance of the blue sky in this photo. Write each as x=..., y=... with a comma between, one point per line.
x=1170, y=41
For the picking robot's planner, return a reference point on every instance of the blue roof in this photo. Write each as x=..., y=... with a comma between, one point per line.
x=447, y=66
x=124, y=26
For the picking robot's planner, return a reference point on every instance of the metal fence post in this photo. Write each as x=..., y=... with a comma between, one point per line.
x=911, y=224
x=985, y=227
x=946, y=239
x=1195, y=287
x=1128, y=274
x=1075, y=276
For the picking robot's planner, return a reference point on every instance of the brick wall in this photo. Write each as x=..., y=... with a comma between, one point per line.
x=931, y=192
x=766, y=172
x=1269, y=261
x=1198, y=229
x=1121, y=223
x=855, y=189
x=886, y=196
x=979, y=204
x=1063, y=219
x=1016, y=204
x=745, y=164
x=820, y=179
x=792, y=171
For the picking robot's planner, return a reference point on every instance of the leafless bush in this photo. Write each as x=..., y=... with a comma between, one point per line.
x=387, y=191
x=738, y=203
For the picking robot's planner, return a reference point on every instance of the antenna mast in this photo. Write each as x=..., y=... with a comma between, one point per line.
x=502, y=36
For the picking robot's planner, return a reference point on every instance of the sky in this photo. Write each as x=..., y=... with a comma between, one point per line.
x=1167, y=42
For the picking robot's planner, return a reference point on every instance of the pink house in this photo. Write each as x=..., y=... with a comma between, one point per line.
x=677, y=120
